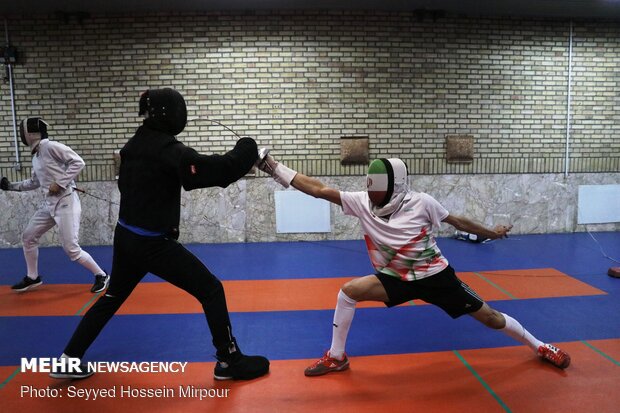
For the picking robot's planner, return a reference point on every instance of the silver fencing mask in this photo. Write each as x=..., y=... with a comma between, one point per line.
x=32, y=131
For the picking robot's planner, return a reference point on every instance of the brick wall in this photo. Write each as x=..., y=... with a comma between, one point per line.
x=299, y=81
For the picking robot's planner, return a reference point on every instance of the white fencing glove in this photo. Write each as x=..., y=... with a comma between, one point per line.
x=280, y=173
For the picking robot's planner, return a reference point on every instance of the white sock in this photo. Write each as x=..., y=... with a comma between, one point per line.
x=89, y=263
x=343, y=316
x=515, y=330
x=32, y=263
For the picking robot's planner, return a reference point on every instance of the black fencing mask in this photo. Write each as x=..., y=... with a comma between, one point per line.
x=165, y=110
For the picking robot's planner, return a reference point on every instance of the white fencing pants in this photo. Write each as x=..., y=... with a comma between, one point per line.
x=67, y=216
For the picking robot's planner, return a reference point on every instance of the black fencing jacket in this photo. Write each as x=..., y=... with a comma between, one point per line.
x=154, y=167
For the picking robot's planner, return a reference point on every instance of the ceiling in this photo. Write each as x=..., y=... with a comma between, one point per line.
x=531, y=8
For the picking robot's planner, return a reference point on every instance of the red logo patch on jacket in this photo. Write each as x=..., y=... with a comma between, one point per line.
x=192, y=169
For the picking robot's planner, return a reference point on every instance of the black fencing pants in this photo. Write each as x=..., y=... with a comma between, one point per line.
x=136, y=255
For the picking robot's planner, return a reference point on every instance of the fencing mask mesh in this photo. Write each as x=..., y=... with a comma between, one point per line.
x=166, y=110
x=32, y=131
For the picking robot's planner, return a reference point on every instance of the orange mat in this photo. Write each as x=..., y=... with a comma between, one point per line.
x=48, y=299
x=277, y=295
x=541, y=282
x=590, y=384
x=504, y=378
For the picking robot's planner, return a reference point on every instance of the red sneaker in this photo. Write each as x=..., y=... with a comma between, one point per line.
x=327, y=364
x=554, y=355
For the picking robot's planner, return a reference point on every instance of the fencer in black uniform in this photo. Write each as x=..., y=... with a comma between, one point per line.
x=154, y=167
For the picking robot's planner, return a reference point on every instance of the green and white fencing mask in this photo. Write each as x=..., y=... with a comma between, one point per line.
x=386, y=183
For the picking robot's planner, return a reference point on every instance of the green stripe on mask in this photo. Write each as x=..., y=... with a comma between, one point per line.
x=377, y=167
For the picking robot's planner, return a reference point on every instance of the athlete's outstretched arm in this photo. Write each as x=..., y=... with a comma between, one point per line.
x=203, y=171
x=467, y=225
x=316, y=188
x=285, y=176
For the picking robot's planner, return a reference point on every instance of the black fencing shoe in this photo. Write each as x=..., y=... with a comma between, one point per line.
x=101, y=283
x=26, y=284
x=241, y=367
x=71, y=372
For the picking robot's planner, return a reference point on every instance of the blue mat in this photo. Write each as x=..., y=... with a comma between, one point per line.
x=576, y=254
x=306, y=334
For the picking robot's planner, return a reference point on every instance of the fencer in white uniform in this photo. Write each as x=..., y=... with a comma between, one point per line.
x=54, y=168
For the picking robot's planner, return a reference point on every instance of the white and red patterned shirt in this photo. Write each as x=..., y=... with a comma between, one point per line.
x=404, y=246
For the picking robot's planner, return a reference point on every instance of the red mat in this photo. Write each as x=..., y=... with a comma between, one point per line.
x=277, y=295
x=510, y=377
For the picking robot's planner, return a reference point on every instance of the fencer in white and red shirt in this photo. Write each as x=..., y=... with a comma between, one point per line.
x=399, y=229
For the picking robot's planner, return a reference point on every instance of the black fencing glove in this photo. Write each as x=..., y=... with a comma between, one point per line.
x=5, y=183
